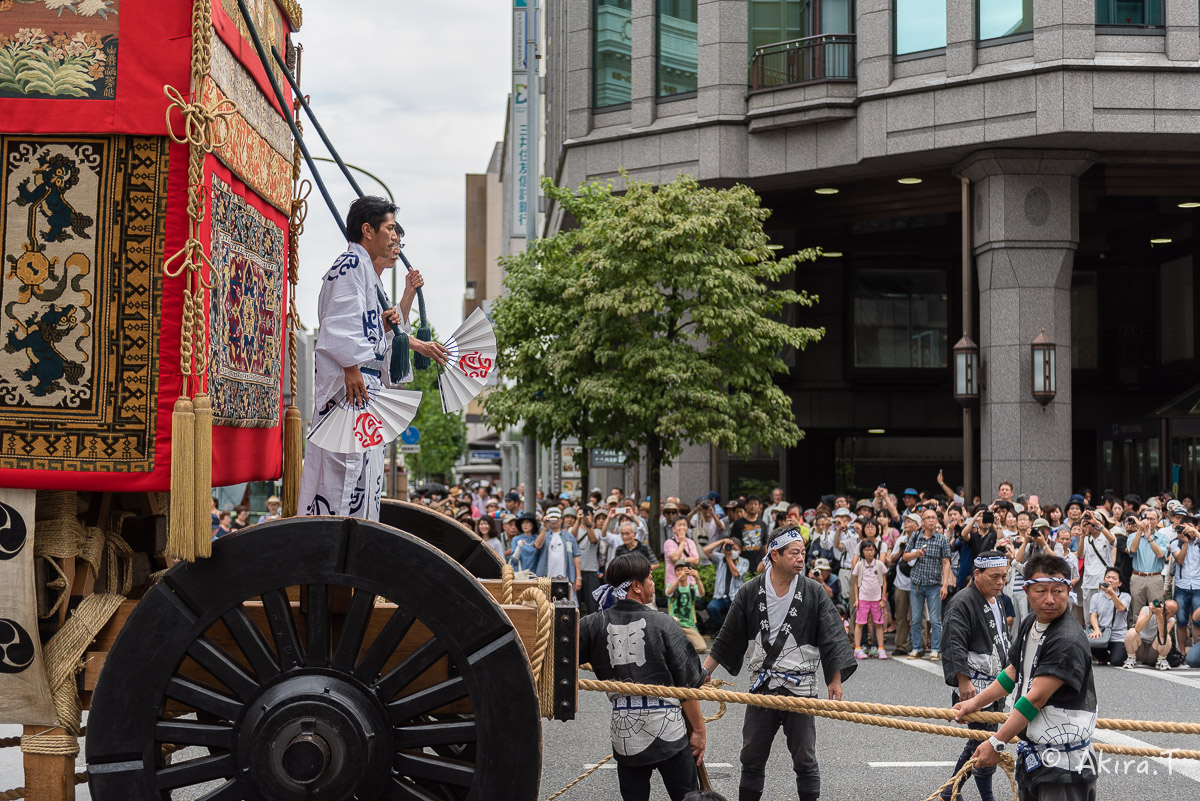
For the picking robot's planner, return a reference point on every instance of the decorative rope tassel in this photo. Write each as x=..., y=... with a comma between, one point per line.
x=181, y=544
x=293, y=458
x=202, y=530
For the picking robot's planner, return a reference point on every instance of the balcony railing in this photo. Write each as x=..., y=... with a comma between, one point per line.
x=826, y=57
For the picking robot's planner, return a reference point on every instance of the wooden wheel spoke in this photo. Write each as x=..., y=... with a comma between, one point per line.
x=440, y=732
x=203, y=698
x=229, y=791
x=410, y=669
x=427, y=700
x=354, y=628
x=283, y=628
x=316, y=654
x=385, y=645
x=223, y=667
x=435, y=768
x=251, y=641
x=189, y=732
x=399, y=789
x=195, y=771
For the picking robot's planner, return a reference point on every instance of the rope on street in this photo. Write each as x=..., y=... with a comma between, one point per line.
x=1006, y=764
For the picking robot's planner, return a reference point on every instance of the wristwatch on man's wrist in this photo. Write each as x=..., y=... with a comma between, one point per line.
x=997, y=745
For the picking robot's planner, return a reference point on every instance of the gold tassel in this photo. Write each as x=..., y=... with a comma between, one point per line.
x=293, y=458
x=203, y=476
x=181, y=544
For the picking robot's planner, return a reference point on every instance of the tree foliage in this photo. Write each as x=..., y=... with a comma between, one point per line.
x=443, y=436
x=658, y=321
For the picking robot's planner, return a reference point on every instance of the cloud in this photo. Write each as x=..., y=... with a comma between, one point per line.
x=416, y=94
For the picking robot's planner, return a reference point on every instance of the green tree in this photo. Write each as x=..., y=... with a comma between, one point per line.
x=658, y=321
x=443, y=436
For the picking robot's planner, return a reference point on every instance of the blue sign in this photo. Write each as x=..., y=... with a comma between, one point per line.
x=483, y=457
x=410, y=435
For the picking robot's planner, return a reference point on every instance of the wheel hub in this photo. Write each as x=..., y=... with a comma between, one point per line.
x=313, y=736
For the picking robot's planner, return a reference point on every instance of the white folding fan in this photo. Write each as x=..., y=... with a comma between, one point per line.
x=356, y=429
x=472, y=359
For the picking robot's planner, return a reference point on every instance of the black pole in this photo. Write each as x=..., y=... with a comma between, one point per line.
x=313, y=118
x=287, y=115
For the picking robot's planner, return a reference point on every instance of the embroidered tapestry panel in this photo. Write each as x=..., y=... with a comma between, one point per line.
x=240, y=87
x=246, y=311
x=48, y=53
x=82, y=226
x=252, y=159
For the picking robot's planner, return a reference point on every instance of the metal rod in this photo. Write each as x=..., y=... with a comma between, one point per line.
x=316, y=124
x=287, y=114
x=968, y=423
x=532, y=100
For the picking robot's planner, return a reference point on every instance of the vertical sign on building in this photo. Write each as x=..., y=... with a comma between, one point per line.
x=518, y=136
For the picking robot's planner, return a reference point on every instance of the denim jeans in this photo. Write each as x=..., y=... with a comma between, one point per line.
x=1189, y=602
x=920, y=595
x=716, y=609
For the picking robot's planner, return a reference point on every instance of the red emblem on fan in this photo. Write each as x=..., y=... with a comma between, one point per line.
x=367, y=430
x=474, y=365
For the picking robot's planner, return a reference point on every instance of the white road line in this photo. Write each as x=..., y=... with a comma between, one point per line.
x=1190, y=678
x=911, y=764
x=610, y=765
x=1120, y=764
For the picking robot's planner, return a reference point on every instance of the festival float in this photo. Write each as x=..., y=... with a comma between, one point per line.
x=152, y=205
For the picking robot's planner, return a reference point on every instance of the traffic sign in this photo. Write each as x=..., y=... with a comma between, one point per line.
x=410, y=436
x=410, y=448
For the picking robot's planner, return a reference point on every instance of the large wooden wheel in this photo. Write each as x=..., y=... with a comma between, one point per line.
x=444, y=533
x=418, y=689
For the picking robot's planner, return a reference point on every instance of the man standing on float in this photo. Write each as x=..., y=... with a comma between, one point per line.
x=352, y=357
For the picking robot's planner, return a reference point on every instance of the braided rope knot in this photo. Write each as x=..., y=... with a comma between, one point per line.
x=200, y=121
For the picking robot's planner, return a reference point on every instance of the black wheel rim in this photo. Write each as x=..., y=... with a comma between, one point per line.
x=429, y=700
x=444, y=533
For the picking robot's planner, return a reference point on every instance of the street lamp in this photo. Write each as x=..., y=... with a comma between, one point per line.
x=1044, y=386
x=966, y=372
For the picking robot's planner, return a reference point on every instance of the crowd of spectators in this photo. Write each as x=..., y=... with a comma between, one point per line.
x=889, y=561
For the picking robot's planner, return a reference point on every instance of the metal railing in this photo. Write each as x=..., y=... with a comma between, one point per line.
x=826, y=57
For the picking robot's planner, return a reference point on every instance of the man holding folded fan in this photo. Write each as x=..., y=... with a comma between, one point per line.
x=353, y=353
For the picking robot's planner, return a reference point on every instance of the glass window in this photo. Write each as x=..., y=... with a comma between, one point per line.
x=613, y=31
x=920, y=25
x=1176, y=322
x=677, y=53
x=999, y=18
x=900, y=318
x=1085, y=332
x=773, y=21
x=1129, y=12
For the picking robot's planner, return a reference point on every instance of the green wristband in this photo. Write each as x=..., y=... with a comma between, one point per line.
x=1026, y=708
x=1006, y=682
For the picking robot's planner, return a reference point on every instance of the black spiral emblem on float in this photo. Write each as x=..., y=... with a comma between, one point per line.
x=13, y=532
x=16, y=646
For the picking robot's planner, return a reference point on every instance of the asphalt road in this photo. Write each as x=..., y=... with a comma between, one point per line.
x=867, y=762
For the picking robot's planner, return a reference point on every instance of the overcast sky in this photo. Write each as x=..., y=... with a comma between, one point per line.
x=414, y=93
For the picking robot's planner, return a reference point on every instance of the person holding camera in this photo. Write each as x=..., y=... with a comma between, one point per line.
x=1149, y=547
x=1107, y=616
x=587, y=538
x=1096, y=547
x=1149, y=641
x=732, y=571
x=1186, y=554
x=683, y=593
x=929, y=553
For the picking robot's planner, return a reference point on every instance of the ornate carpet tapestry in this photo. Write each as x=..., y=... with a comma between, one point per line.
x=240, y=87
x=246, y=312
x=47, y=53
x=82, y=226
x=252, y=158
